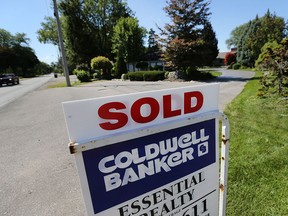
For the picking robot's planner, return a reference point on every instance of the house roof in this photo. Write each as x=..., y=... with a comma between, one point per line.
x=221, y=55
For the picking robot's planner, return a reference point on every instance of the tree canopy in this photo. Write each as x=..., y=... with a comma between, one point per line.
x=89, y=27
x=8, y=40
x=250, y=37
x=48, y=32
x=153, y=52
x=128, y=41
x=15, y=54
x=108, y=28
x=274, y=58
x=189, y=39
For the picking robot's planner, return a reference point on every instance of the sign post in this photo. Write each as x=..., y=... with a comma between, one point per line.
x=150, y=153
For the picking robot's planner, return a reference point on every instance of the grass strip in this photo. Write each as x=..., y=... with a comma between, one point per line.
x=258, y=161
x=64, y=84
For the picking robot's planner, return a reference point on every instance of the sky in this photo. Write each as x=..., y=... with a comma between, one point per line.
x=26, y=17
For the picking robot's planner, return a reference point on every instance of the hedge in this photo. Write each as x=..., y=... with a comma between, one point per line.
x=145, y=76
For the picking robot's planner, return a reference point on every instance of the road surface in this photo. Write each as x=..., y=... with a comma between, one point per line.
x=37, y=174
x=9, y=93
x=231, y=84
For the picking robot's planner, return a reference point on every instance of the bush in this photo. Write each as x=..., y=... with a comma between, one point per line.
x=197, y=75
x=135, y=76
x=83, y=66
x=166, y=75
x=82, y=75
x=190, y=73
x=103, y=64
x=231, y=65
x=96, y=75
x=236, y=66
x=153, y=75
x=229, y=58
x=145, y=76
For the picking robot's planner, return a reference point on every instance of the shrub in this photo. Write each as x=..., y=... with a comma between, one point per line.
x=166, y=75
x=101, y=62
x=229, y=58
x=83, y=66
x=82, y=75
x=153, y=75
x=104, y=64
x=96, y=75
x=135, y=76
x=231, y=65
x=190, y=73
x=145, y=76
x=236, y=66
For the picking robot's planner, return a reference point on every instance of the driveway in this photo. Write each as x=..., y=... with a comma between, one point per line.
x=232, y=83
x=37, y=174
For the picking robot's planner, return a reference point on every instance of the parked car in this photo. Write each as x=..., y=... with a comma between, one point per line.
x=9, y=79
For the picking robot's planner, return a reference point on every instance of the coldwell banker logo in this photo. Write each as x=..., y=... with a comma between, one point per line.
x=123, y=171
x=158, y=157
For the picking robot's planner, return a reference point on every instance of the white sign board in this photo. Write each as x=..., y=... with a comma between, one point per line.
x=150, y=153
x=93, y=118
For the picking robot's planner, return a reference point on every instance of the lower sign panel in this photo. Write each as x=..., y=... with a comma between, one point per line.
x=173, y=172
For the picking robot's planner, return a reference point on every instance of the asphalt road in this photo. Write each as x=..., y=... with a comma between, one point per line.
x=9, y=93
x=37, y=174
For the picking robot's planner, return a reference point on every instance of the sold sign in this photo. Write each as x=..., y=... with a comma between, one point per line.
x=148, y=153
x=90, y=119
x=106, y=111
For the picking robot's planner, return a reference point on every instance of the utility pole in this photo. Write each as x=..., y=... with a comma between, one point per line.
x=60, y=36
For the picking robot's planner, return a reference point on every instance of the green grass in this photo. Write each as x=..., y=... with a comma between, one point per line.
x=64, y=84
x=258, y=161
x=215, y=73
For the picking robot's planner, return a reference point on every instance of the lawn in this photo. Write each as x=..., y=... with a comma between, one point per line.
x=258, y=162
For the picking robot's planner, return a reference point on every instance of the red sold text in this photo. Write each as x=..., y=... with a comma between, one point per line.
x=115, y=115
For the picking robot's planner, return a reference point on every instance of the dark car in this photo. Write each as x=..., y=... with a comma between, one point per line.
x=9, y=79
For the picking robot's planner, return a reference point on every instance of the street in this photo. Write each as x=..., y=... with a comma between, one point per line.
x=37, y=173
x=9, y=93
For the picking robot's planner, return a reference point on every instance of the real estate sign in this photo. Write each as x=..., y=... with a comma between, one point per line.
x=150, y=153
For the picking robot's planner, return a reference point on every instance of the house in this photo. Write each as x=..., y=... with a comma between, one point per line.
x=219, y=61
x=151, y=65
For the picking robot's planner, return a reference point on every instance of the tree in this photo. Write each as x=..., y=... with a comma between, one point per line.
x=236, y=35
x=20, y=39
x=274, y=57
x=89, y=27
x=250, y=37
x=189, y=40
x=153, y=52
x=80, y=43
x=7, y=58
x=43, y=68
x=210, y=48
x=9, y=40
x=16, y=55
x=128, y=41
x=5, y=38
x=25, y=60
x=48, y=33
